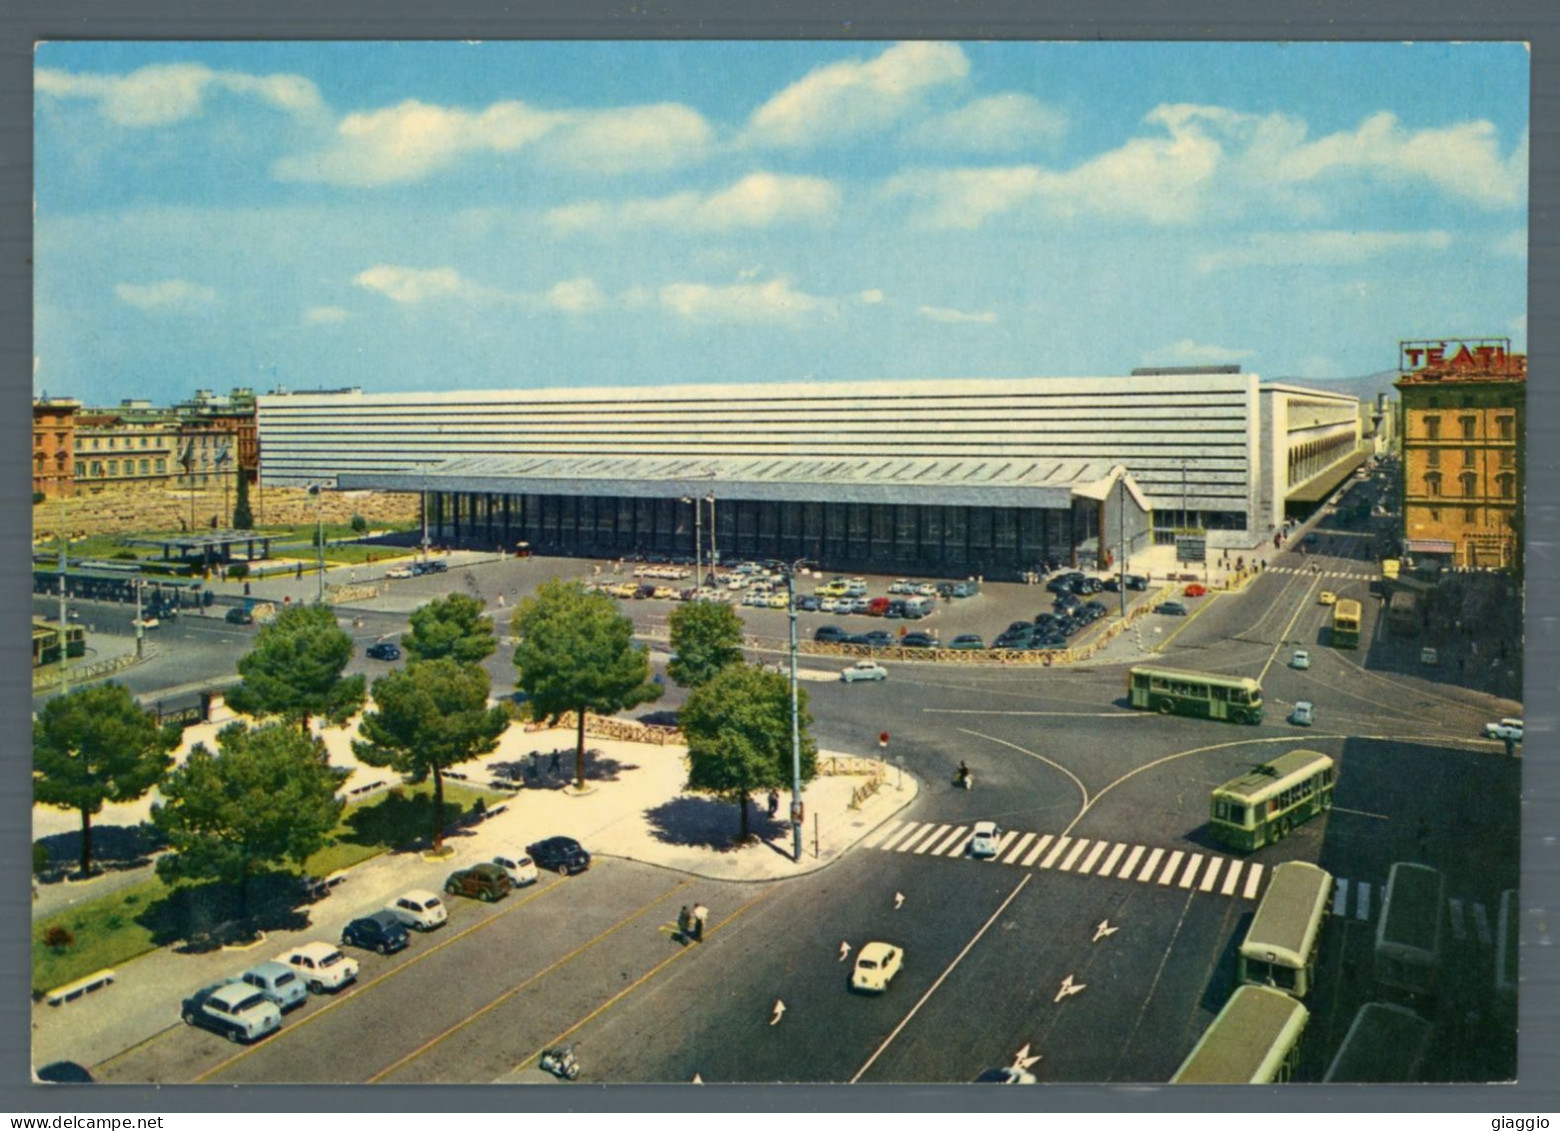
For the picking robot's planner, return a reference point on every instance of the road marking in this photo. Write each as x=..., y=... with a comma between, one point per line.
x=958, y=835
x=1231, y=878
x=1055, y=852
x=1037, y=850
x=1340, y=897
x=1088, y=861
x=1361, y=813
x=1212, y=874
x=1188, y=876
x=1018, y=848
x=1130, y=863
x=1459, y=931
x=1253, y=878
x=1110, y=861
x=889, y=843
x=941, y=978
x=960, y=845
x=1148, y=868
x=927, y=842
x=924, y=831
x=1481, y=923
x=1362, y=901
x=879, y=834
x=1002, y=842
x=1072, y=856
x=1170, y=866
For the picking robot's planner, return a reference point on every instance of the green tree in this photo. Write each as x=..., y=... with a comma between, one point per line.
x=738, y=727
x=451, y=627
x=93, y=746
x=359, y=524
x=706, y=637
x=432, y=714
x=243, y=517
x=266, y=797
x=294, y=670
x=576, y=652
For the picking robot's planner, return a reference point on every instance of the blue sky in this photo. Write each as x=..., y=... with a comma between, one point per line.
x=418, y=216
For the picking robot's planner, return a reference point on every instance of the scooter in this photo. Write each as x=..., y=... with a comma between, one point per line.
x=560, y=1061
x=965, y=780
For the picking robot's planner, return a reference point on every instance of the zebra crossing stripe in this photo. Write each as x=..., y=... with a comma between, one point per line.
x=920, y=834
x=943, y=843
x=888, y=844
x=1055, y=852
x=1130, y=863
x=1340, y=897
x=1072, y=857
x=1148, y=868
x=1110, y=861
x=957, y=846
x=1035, y=852
x=1170, y=866
x=1362, y=901
x=1088, y=861
x=1018, y=848
x=1459, y=931
x=1253, y=878
x=1231, y=878
x=1191, y=870
x=879, y=834
x=1211, y=874
x=1481, y=923
x=1002, y=842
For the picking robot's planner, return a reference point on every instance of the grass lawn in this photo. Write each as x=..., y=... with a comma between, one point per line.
x=120, y=926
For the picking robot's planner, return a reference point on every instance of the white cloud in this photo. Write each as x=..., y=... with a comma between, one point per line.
x=323, y=315
x=575, y=296
x=634, y=138
x=173, y=296
x=1320, y=249
x=1188, y=352
x=774, y=301
x=409, y=141
x=948, y=314
x=1514, y=243
x=870, y=297
x=998, y=124
x=411, y=285
x=163, y=93
x=851, y=97
x=756, y=201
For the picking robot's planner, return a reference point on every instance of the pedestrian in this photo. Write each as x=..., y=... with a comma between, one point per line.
x=684, y=921
x=774, y=804
x=300, y=571
x=246, y=588
x=535, y=762
x=556, y=764
x=701, y=913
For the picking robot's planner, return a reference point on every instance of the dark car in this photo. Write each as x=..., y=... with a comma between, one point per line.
x=486, y=882
x=1113, y=585
x=895, y=610
x=807, y=603
x=1136, y=581
x=965, y=589
x=1066, y=601
x=917, y=640
x=1173, y=609
x=878, y=639
x=1043, y=619
x=1050, y=640
x=383, y=650
x=240, y=616
x=1089, y=585
x=1060, y=584
x=967, y=642
x=830, y=634
x=435, y=566
x=381, y=932
x=561, y=854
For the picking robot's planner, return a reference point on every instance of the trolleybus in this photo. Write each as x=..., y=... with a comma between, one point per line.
x=1345, y=624
x=1403, y=613
x=1408, y=934
x=1385, y=1044
x=1281, y=945
x=1265, y=803
x=1168, y=691
x=1255, y=1039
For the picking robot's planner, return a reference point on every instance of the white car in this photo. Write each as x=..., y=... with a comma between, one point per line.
x=279, y=984
x=983, y=841
x=1301, y=660
x=321, y=966
x=520, y=868
x=864, y=669
x=876, y=965
x=399, y=572
x=418, y=909
x=1506, y=728
x=1303, y=714
x=830, y=604
x=235, y=1009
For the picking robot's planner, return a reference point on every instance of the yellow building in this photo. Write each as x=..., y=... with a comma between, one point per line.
x=1463, y=415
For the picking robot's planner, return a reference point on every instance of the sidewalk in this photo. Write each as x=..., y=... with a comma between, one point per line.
x=633, y=808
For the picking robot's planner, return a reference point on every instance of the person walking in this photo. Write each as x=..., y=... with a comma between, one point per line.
x=684, y=923
x=556, y=764
x=701, y=914
x=774, y=804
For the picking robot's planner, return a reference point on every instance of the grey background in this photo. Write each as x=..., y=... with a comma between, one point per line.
x=22, y=22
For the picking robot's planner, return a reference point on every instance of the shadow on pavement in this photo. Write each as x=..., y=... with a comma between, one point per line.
x=705, y=822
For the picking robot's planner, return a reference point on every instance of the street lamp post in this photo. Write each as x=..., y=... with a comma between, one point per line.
x=796, y=730
x=319, y=538
x=714, y=553
x=698, y=539
x=1121, y=524
x=425, y=516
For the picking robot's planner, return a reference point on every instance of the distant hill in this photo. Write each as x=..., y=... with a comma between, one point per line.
x=1365, y=388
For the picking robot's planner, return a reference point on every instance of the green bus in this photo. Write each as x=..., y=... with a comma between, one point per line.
x=1385, y=1044
x=1262, y=805
x=1408, y=934
x=1237, y=699
x=1345, y=624
x=1281, y=945
x=1255, y=1039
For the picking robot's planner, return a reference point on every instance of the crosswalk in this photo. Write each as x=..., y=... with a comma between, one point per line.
x=1173, y=869
x=1335, y=574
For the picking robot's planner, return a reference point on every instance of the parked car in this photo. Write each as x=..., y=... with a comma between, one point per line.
x=876, y=965
x=829, y=634
x=235, y=1009
x=147, y=621
x=1198, y=589
x=382, y=932
x=383, y=650
x=1301, y=660
x=869, y=670
x=967, y=642
x=1326, y=598
x=1172, y=609
x=1136, y=581
x=831, y=603
x=321, y=966
x=983, y=841
x=486, y=882
x=877, y=607
x=434, y=565
x=778, y=601
x=280, y=985
x=877, y=638
x=895, y=610
x=1506, y=728
x=400, y=572
x=1065, y=601
x=561, y=854
x=239, y=616
x=1088, y=585
x=902, y=585
x=1304, y=714
x=519, y=867
x=419, y=910
x=964, y=589
x=807, y=603
x=917, y=640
